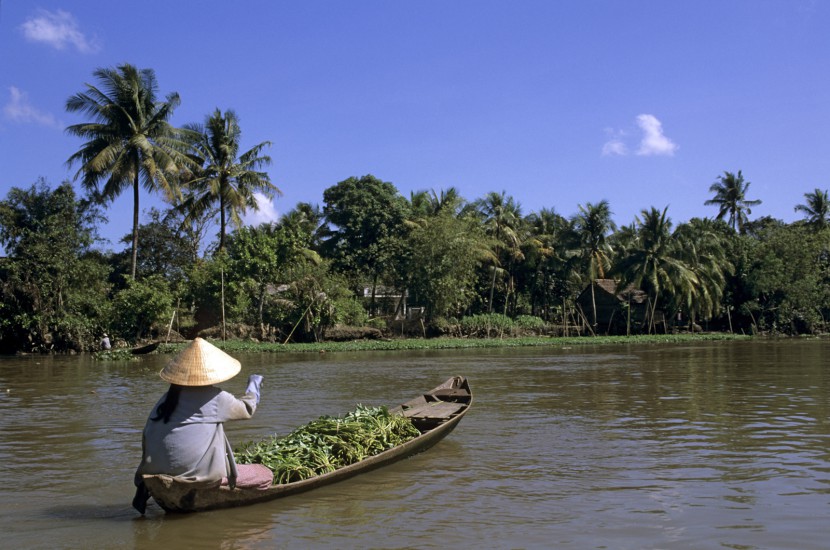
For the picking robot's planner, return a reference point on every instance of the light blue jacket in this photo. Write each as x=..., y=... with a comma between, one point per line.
x=193, y=445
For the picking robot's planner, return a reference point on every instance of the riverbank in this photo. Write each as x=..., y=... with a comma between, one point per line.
x=404, y=344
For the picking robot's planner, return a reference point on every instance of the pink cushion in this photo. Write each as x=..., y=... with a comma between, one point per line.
x=252, y=476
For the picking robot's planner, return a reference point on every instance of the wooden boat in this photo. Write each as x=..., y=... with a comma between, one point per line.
x=148, y=348
x=435, y=413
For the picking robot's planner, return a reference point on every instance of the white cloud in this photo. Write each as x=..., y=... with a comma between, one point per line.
x=267, y=213
x=654, y=142
x=18, y=109
x=615, y=146
x=57, y=29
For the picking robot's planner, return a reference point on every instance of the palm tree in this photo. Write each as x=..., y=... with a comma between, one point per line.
x=701, y=246
x=129, y=141
x=593, y=224
x=543, y=253
x=419, y=207
x=652, y=262
x=817, y=208
x=447, y=201
x=308, y=220
x=424, y=204
x=225, y=177
x=730, y=197
x=501, y=216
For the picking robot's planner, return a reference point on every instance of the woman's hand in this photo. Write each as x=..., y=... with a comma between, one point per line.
x=254, y=383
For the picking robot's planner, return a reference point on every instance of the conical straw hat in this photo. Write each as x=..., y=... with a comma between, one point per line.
x=200, y=364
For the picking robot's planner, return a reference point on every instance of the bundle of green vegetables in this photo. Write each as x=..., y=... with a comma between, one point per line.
x=328, y=443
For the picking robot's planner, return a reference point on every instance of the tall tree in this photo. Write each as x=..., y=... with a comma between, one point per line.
x=447, y=200
x=130, y=142
x=546, y=259
x=307, y=219
x=367, y=218
x=730, y=197
x=816, y=208
x=652, y=262
x=593, y=224
x=426, y=205
x=51, y=283
x=701, y=245
x=224, y=176
x=501, y=216
x=168, y=248
x=788, y=279
x=260, y=258
x=445, y=252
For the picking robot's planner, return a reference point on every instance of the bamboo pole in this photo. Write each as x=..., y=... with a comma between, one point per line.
x=170, y=326
x=224, y=333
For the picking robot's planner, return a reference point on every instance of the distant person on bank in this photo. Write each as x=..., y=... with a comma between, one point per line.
x=105, y=342
x=184, y=434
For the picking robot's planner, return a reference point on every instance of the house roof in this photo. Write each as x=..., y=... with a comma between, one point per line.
x=609, y=286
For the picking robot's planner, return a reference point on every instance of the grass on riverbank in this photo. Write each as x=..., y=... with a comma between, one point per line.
x=243, y=346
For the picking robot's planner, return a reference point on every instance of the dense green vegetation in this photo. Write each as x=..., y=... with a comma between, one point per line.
x=479, y=268
x=328, y=443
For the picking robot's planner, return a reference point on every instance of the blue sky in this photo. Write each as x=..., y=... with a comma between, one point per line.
x=558, y=103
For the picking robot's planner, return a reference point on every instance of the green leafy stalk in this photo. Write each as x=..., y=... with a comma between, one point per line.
x=328, y=443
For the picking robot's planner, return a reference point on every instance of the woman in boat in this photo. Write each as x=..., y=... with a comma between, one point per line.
x=184, y=434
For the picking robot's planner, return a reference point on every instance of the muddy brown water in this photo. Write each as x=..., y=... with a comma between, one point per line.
x=705, y=445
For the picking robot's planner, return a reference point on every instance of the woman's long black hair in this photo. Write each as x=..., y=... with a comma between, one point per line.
x=166, y=408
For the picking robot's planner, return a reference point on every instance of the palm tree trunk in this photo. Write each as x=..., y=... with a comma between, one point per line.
x=372, y=306
x=594, y=303
x=260, y=313
x=135, y=226
x=492, y=289
x=224, y=332
x=653, y=313
x=565, y=315
x=221, y=225
x=585, y=320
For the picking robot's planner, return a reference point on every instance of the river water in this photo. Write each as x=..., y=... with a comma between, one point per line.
x=704, y=445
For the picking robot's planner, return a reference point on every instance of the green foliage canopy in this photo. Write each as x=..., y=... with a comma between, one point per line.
x=367, y=216
x=52, y=285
